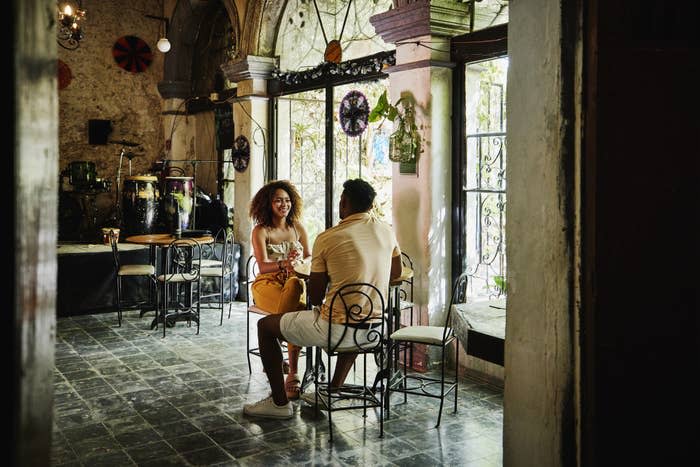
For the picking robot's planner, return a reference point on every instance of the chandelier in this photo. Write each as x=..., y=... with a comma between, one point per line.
x=69, y=31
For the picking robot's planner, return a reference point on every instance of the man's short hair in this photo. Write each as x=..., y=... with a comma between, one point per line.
x=360, y=194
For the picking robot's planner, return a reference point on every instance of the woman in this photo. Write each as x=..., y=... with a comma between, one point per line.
x=279, y=241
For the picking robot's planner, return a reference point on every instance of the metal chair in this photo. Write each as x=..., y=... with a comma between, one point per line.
x=434, y=336
x=406, y=301
x=251, y=271
x=180, y=283
x=217, y=264
x=363, y=308
x=129, y=270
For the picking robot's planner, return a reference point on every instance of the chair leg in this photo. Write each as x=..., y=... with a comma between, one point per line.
x=221, y=303
x=405, y=378
x=230, y=294
x=456, y=372
x=381, y=395
x=164, y=312
x=119, y=300
x=442, y=385
x=198, y=310
x=247, y=339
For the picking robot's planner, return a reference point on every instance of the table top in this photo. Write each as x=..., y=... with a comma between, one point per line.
x=487, y=317
x=303, y=268
x=82, y=248
x=163, y=239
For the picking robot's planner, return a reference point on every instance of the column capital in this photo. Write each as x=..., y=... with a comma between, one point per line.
x=445, y=18
x=249, y=67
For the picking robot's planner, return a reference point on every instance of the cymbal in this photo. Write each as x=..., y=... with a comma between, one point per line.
x=131, y=155
x=123, y=142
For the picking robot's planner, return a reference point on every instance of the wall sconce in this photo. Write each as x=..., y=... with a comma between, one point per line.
x=163, y=43
x=69, y=32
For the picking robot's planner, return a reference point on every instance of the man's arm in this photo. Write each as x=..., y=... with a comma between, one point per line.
x=395, y=268
x=318, y=282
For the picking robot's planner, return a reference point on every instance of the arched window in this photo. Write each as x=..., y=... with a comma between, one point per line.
x=310, y=146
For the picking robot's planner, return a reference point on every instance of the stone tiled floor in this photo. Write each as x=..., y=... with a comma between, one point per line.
x=127, y=396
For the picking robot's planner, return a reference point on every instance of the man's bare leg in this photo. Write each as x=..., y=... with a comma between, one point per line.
x=342, y=368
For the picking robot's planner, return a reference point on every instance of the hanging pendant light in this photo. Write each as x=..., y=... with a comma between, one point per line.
x=70, y=32
x=163, y=43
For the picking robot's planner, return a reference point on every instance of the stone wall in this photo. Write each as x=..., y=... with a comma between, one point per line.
x=100, y=89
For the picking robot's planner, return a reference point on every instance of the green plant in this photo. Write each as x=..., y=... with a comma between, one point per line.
x=405, y=141
x=500, y=282
x=383, y=109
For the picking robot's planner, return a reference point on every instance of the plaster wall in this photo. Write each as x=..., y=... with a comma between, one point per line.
x=250, y=116
x=421, y=201
x=100, y=89
x=538, y=360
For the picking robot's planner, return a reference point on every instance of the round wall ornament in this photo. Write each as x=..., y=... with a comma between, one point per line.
x=241, y=153
x=64, y=75
x=132, y=54
x=353, y=113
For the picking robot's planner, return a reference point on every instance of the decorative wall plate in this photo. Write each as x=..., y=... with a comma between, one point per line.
x=64, y=75
x=353, y=113
x=240, y=153
x=132, y=54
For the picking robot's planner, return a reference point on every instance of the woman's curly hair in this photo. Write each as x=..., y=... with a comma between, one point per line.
x=261, y=204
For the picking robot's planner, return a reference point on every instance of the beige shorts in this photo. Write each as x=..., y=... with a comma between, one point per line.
x=307, y=329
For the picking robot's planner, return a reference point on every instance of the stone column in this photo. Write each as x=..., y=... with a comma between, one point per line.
x=422, y=202
x=250, y=119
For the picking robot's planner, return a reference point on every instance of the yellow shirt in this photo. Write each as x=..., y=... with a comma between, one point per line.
x=358, y=249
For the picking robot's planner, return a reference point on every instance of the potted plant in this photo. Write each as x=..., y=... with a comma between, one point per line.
x=404, y=143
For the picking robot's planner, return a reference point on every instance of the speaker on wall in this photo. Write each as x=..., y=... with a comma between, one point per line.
x=98, y=131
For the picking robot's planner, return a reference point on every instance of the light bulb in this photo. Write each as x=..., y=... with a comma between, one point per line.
x=163, y=44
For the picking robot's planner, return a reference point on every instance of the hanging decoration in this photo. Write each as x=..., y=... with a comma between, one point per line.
x=132, y=54
x=334, y=51
x=64, y=75
x=358, y=68
x=241, y=153
x=405, y=142
x=353, y=113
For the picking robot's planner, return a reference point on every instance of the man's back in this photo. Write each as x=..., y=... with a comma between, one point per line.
x=358, y=249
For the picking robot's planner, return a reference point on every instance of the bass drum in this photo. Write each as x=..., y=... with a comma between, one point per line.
x=140, y=201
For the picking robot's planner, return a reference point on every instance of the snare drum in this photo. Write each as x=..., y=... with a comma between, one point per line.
x=140, y=199
x=179, y=197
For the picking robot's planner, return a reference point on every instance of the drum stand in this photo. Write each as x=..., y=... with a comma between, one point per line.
x=129, y=155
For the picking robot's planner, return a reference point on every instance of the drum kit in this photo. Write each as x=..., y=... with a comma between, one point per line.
x=146, y=203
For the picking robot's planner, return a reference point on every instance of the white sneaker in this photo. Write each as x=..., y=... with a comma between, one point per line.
x=267, y=408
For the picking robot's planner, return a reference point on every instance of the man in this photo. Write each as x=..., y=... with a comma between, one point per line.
x=360, y=248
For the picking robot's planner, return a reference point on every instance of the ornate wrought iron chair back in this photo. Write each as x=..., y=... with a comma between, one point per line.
x=442, y=336
x=364, y=310
x=129, y=270
x=252, y=270
x=217, y=262
x=181, y=283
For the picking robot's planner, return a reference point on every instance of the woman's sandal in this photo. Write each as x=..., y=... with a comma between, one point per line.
x=293, y=388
